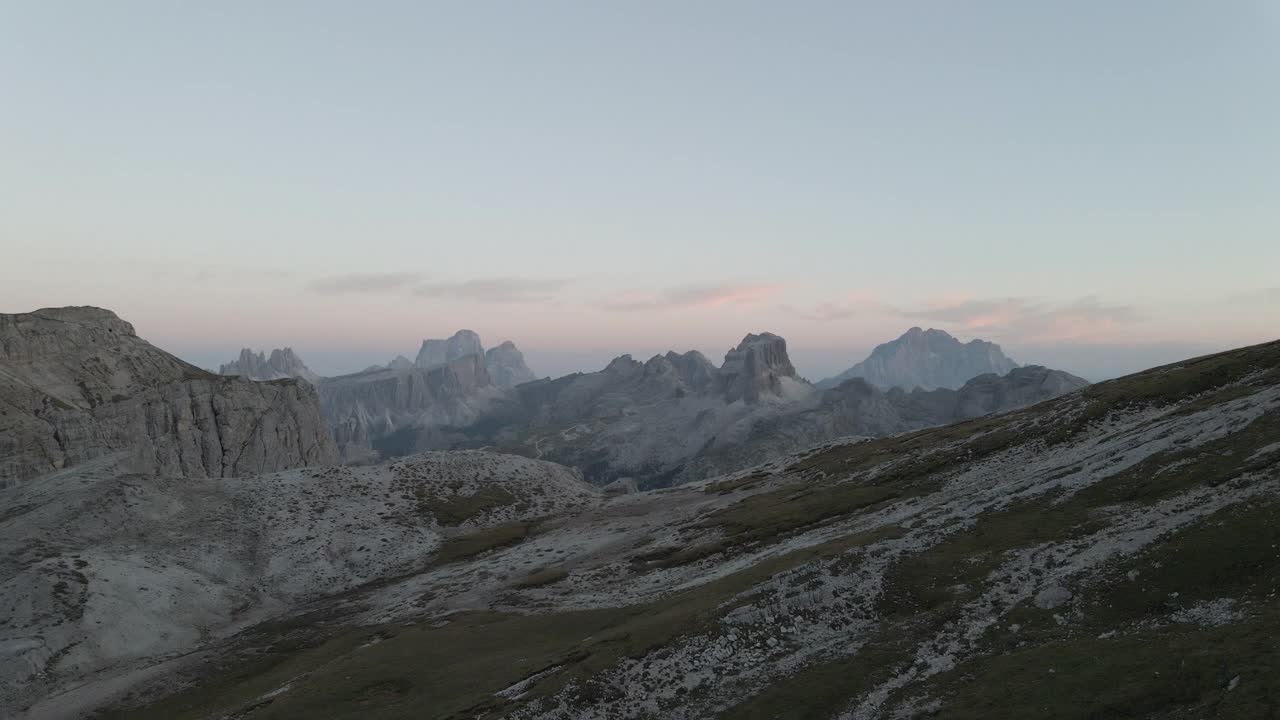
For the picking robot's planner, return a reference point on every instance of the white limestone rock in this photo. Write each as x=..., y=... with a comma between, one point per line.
x=80, y=384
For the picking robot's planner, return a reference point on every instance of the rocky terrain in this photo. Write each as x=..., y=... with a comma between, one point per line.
x=280, y=365
x=77, y=383
x=111, y=569
x=927, y=359
x=1112, y=552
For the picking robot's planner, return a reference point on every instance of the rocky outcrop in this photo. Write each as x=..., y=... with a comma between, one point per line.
x=400, y=362
x=257, y=366
x=759, y=369
x=927, y=359
x=506, y=367
x=434, y=353
x=77, y=383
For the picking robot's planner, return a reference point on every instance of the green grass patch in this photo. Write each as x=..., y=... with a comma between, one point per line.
x=771, y=515
x=746, y=482
x=1151, y=666
x=545, y=576
x=953, y=570
x=470, y=545
x=1176, y=671
x=453, y=510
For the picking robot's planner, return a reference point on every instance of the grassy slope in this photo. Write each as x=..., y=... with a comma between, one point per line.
x=1150, y=667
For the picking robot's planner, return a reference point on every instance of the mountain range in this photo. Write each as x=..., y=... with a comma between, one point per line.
x=672, y=418
x=1108, y=552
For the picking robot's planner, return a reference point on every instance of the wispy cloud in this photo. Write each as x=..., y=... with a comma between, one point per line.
x=1030, y=320
x=1263, y=295
x=495, y=290
x=856, y=302
x=364, y=283
x=188, y=273
x=692, y=296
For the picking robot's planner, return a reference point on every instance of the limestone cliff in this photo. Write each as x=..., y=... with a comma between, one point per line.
x=77, y=383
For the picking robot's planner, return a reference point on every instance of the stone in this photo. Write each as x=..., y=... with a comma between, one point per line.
x=1052, y=597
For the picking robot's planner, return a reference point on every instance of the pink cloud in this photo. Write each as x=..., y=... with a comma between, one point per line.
x=694, y=296
x=855, y=302
x=1027, y=320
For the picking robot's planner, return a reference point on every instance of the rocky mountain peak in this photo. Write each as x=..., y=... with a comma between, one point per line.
x=283, y=363
x=755, y=368
x=695, y=370
x=400, y=362
x=441, y=352
x=927, y=359
x=624, y=364
x=506, y=365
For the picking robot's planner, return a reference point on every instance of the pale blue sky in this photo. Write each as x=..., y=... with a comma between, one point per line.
x=1088, y=183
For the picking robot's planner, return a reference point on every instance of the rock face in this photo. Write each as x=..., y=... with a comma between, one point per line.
x=77, y=383
x=759, y=369
x=434, y=353
x=505, y=365
x=927, y=359
x=282, y=364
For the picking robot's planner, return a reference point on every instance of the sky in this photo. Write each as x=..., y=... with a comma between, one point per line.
x=1091, y=184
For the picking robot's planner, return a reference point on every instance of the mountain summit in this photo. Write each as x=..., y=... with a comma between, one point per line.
x=928, y=359
x=435, y=353
x=758, y=368
x=257, y=366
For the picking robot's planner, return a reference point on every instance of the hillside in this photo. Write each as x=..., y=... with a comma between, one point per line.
x=1110, y=553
